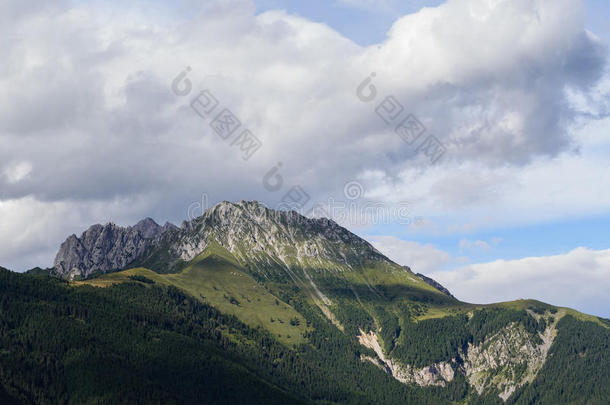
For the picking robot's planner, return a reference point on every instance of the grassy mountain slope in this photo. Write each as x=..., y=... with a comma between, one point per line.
x=137, y=342
x=128, y=343
x=216, y=278
x=293, y=308
x=416, y=326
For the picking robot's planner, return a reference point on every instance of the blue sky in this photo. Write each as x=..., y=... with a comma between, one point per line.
x=364, y=25
x=598, y=17
x=544, y=239
x=369, y=25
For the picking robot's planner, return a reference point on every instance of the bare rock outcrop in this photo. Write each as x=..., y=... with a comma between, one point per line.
x=435, y=374
x=105, y=248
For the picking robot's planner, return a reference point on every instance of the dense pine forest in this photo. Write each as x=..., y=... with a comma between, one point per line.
x=146, y=344
x=138, y=342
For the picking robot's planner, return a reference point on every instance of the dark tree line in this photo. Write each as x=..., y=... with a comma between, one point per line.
x=139, y=342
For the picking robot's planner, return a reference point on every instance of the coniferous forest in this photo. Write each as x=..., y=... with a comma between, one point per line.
x=137, y=342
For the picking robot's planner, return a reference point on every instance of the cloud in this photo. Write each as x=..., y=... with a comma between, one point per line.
x=466, y=244
x=578, y=279
x=480, y=245
x=491, y=71
x=419, y=257
x=85, y=97
x=18, y=172
x=474, y=197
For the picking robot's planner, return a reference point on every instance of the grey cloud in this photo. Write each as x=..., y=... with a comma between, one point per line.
x=89, y=104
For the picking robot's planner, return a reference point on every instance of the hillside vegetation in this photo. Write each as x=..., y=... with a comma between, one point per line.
x=417, y=328
x=250, y=305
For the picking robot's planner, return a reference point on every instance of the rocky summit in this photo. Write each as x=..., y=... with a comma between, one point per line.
x=268, y=240
x=103, y=248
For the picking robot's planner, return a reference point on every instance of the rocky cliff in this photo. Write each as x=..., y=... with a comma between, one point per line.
x=502, y=363
x=106, y=248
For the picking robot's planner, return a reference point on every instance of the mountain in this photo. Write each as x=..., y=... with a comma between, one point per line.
x=103, y=248
x=250, y=305
x=267, y=240
x=37, y=271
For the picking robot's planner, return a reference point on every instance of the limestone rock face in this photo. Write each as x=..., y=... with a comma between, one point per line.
x=508, y=359
x=436, y=374
x=503, y=362
x=105, y=248
x=266, y=238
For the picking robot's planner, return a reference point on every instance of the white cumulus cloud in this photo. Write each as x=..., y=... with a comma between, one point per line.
x=578, y=279
x=85, y=96
x=421, y=258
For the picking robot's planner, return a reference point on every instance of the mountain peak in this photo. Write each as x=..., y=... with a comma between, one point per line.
x=148, y=228
x=264, y=238
x=245, y=206
x=106, y=247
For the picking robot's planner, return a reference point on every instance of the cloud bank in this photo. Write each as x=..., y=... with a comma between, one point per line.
x=88, y=118
x=578, y=279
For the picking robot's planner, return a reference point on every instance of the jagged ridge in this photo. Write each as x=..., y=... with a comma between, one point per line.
x=264, y=239
x=106, y=247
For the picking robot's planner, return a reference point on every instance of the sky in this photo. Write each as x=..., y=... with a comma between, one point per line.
x=499, y=189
